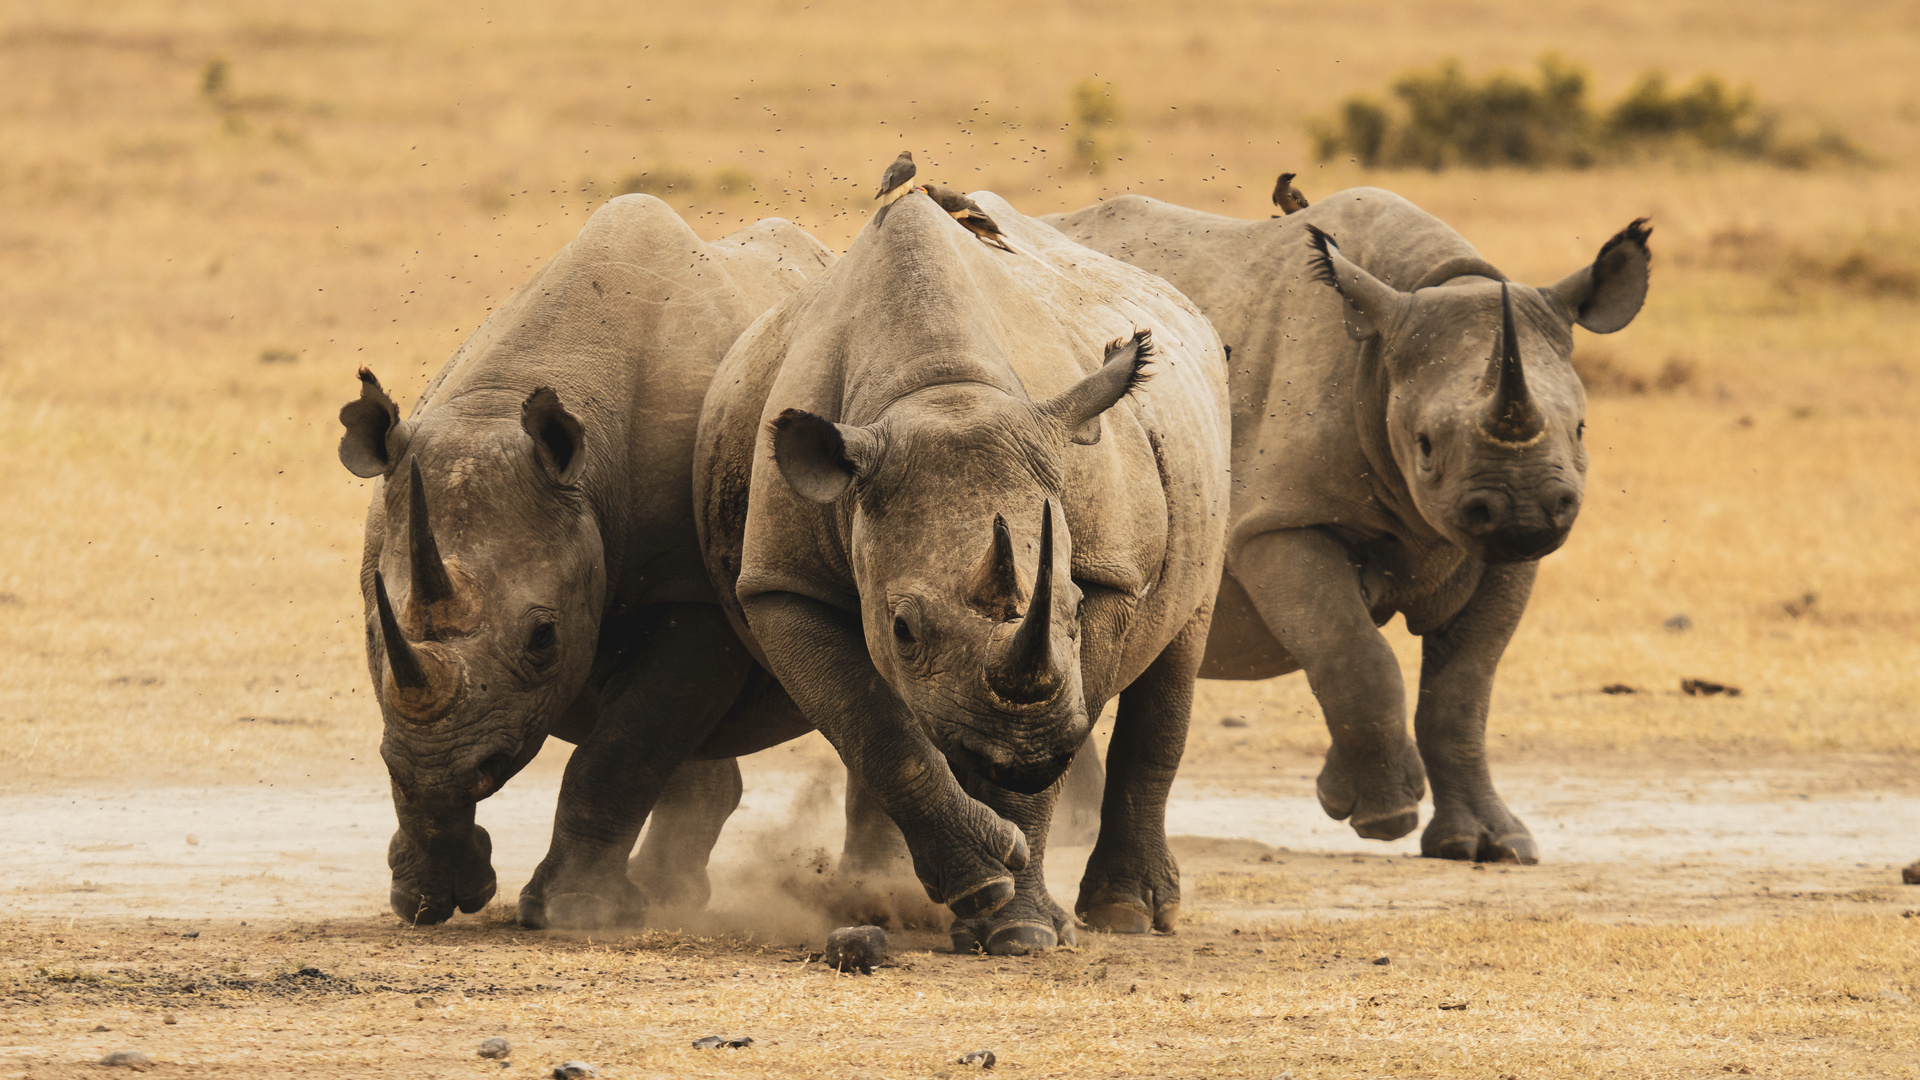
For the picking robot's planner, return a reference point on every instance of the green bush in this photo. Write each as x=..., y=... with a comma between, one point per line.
x=1443, y=118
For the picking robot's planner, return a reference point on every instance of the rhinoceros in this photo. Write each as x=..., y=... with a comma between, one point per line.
x=941, y=511
x=532, y=569
x=1407, y=438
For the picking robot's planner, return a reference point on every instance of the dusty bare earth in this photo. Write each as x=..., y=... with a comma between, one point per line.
x=1753, y=907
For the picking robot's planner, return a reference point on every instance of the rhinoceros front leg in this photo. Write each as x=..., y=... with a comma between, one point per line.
x=1132, y=882
x=686, y=667
x=1457, y=665
x=1304, y=584
x=964, y=854
x=1032, y=920
x=671, y=866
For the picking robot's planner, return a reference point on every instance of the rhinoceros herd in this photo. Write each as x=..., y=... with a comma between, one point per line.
x=943, y=500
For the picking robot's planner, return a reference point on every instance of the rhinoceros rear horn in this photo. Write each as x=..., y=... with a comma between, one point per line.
x=1023, y=669
x=993, y=587
x=402, y=661
x=1077, y=410
x=375, y=438
x=430, y=581
x=1511, y=416
x=1372, y=305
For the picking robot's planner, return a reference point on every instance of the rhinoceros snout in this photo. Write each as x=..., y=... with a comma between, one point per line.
x=1509, y=529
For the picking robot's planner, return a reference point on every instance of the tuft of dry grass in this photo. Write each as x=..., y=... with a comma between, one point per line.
x=209, y=217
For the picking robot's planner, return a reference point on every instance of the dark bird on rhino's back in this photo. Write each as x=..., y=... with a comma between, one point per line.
x=893, y=182
x=968, y=214
x=1287, y=197
x=531, y=568
x=1408, y=439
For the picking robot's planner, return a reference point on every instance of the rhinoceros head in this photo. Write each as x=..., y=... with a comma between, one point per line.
x=961, y=554
x=1485, y=415
x=483, y=584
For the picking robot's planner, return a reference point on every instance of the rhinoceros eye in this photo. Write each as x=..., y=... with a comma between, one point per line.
x=542, y=638
x=1580, y=432
x=1426, y=449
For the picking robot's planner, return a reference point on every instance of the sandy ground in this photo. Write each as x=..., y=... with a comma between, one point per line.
x=1620, y=841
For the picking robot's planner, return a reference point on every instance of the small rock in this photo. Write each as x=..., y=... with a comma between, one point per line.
x=1233, y=721
x=169, y=1019
x=856, y=948
x=573, y=1070
x=1618, y=688
x=191, y=934
x=101, y=1027
x=1382, y=961
x=1911, y=875
x=720, y=1042
x=1679, y=624
x=982, y=1058
x=132, y=1059
x=495, y=1048
x=1453, y=1006
x=424, y=1003
x=1707, y=688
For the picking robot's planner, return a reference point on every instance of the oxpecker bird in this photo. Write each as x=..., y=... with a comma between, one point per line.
x=1286, y=196
x=893, y=183
x=968, y=213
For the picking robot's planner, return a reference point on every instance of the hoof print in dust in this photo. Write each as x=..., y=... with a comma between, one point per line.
x=856, y=948
x=1707, y=688
x=131, y=1059
x=574, y=1070
x=721, y=1042
x=495, y=1048
x=982, y=1058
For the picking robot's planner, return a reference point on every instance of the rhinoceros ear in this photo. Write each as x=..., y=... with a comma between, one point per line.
x=558, y=437
x=1077, y=409
x=819, y=458
x=376, y=437
x=1372, y=305
x=1606, y=295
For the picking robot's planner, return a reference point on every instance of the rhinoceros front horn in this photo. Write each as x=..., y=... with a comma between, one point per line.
x=1511, y=415
x=1022, y=669
x=402, y=661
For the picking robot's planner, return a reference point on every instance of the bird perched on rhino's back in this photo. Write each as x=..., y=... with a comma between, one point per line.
x=968, y=214
x=1287, y=197
x=1408, y=439
x=893, y=182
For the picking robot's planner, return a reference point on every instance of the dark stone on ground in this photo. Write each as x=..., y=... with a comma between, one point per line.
x=982, y=1058
x=132, y=1059
x=495, y=1048
x=718, y=1042
x=574, y=1070
x=856, y=948
x=1911, y=875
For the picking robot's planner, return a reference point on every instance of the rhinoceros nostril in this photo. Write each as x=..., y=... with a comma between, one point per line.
x=1478, y=514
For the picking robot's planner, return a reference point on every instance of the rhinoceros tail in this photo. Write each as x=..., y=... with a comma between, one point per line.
x=1320, y=263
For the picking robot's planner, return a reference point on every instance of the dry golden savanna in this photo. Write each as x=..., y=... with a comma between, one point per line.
x=211, y=213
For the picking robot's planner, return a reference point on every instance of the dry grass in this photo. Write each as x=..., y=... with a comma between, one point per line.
x=187, y=280
x=1828, y=995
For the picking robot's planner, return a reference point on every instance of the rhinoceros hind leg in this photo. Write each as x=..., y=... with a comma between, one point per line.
x=1460, y=835
x=671, y=865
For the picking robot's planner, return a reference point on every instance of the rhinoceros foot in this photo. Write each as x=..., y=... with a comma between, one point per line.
x=1379, y=797
x=1130, y=892
x=1488, y=834
x=1027, y=924
x=430, y=884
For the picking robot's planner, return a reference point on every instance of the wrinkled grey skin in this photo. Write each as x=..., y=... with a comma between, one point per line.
x=885, y=459
x=531, y=568
x=1390, y=455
